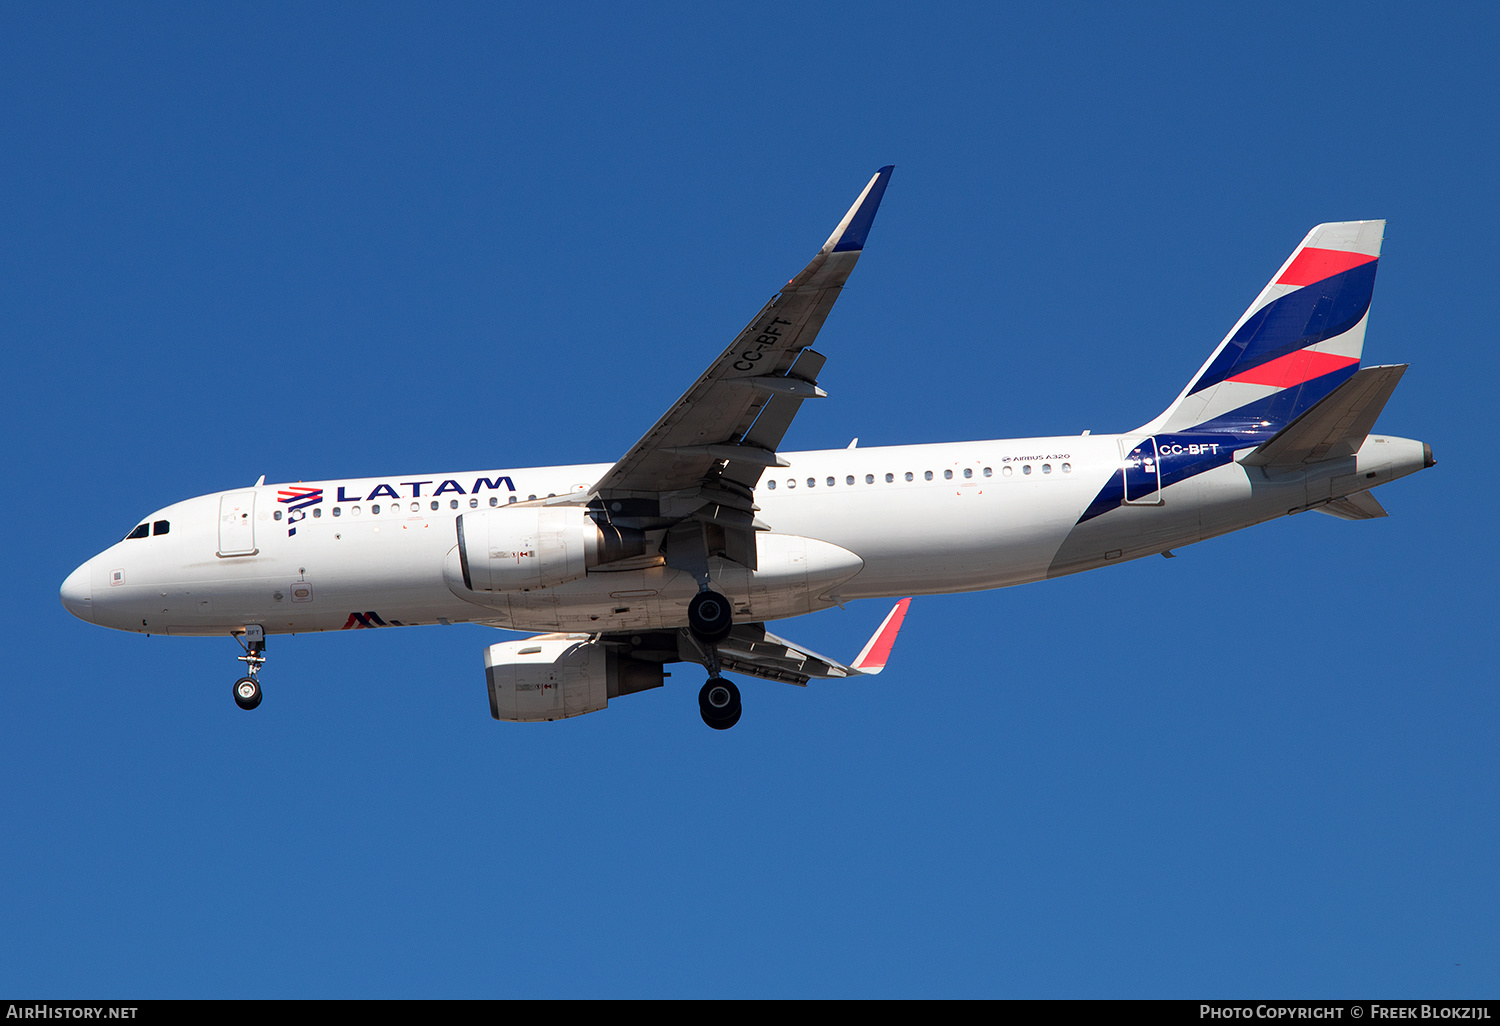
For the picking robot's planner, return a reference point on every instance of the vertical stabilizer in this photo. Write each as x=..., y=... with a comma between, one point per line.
x=1299, y=340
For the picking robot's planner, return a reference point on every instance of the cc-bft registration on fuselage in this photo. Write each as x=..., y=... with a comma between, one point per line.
x=706, y=529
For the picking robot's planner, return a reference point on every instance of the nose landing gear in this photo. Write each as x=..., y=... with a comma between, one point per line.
x=247, y=694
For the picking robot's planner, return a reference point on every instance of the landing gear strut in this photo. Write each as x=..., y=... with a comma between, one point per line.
x=719, y=702
x=247, y=693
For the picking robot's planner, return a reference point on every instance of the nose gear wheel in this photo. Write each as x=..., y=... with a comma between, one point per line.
x=247, y=693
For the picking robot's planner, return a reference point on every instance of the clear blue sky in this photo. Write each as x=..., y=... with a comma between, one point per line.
x=327, y=241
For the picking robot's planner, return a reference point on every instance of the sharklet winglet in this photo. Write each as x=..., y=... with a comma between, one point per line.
x=855, y=227
x=872, y=658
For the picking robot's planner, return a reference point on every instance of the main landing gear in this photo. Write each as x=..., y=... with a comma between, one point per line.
x=710, y=619
x=247, y=689
x=719, y=703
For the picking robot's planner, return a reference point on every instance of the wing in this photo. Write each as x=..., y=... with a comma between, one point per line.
x=752, y=650
x=704, y=457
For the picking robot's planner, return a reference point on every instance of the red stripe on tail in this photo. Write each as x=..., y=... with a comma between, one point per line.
x=1294, y=368
x=1313, y=264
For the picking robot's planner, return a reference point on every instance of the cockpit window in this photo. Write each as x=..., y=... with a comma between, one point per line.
x=161, y=527
x=139, y=532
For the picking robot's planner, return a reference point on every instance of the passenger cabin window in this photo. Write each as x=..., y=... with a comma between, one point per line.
x=927, y=476
x=889, y=478
x=771, y=485
x=849, y=480
x=869, y=479
x=908, y=475
x=139, y=532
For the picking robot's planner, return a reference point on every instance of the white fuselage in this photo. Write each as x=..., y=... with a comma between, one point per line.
x=844, y=524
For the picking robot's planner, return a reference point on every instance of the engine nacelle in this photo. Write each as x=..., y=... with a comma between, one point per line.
x=536, y=547
x=554, y=676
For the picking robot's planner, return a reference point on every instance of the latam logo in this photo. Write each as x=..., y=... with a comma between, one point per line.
x=299, y=500
x=388, y=491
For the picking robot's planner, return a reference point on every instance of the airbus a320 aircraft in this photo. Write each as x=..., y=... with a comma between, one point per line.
x=704, y=530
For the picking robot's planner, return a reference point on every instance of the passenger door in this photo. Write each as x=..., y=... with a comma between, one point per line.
x=237, y=524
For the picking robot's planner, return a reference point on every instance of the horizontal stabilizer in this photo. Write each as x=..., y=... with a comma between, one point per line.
x=1359, y=506
x=1335, y=427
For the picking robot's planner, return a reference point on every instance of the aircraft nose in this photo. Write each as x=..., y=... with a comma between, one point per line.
x=77, y=593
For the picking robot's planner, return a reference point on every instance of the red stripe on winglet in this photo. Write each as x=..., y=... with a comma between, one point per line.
x=879, y=649
x=1313, y=264
x=1294, y=368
